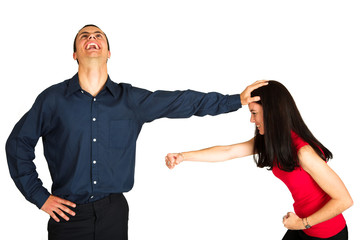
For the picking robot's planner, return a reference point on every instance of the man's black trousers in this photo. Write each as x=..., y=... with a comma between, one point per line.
x=106, y=219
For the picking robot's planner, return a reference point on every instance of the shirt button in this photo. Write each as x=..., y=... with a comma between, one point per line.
x=94, y=99
x=91, y=196
x=94, y=140
x=94, y=119
x=82, y=91
x=94, y=162
x=95, y=182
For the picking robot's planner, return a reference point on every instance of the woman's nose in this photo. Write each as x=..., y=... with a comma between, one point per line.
x=252, y=120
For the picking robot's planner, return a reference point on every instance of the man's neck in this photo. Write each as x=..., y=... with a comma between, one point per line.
x=92, y=78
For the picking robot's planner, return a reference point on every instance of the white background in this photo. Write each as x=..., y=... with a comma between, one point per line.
x=312, y=47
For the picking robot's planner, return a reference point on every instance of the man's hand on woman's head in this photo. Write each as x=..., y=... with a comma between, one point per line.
x=245, y=96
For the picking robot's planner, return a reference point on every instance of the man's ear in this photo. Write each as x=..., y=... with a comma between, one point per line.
x=74, y=56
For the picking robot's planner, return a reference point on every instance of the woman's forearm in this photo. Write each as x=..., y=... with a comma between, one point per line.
x=331, y=209
x=212, y=154
x=220, y=153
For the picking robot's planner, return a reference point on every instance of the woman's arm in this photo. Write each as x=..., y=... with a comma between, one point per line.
x=212, y=154
x=329, y=181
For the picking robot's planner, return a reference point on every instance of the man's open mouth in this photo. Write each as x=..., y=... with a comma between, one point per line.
x=92, y=46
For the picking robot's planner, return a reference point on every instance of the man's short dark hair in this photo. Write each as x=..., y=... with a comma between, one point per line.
x=90, y=25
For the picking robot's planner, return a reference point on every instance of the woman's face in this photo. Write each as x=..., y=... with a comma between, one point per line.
x=256, y=111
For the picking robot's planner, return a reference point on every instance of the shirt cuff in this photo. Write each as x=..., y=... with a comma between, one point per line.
x=40, y=197
x=234, y=102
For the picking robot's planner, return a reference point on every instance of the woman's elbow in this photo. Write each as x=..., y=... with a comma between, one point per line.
x=347, y=202
x=350, y=202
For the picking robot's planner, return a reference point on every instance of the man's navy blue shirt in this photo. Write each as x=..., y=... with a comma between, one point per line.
x=90, y=142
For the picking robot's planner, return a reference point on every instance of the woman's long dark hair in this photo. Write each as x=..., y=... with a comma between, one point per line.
x=281, y=116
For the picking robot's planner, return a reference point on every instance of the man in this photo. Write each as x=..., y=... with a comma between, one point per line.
x=89, y=126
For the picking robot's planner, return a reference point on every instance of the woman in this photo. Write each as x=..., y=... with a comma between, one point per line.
x=285, y=145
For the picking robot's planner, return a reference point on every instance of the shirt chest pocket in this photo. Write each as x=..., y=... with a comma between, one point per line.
x=122, y=133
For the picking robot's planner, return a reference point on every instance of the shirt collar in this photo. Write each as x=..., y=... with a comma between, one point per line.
x=74, y=86
x=112, y=87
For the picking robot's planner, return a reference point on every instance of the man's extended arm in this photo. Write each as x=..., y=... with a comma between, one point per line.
x=183, y=104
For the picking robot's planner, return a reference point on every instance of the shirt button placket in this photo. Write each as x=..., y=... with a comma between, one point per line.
x=94, y=149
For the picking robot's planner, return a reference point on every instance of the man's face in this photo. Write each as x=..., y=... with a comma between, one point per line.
x=91, y=44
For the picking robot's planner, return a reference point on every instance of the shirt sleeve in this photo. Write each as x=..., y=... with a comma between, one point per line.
x=181, y=104
x=20, y=151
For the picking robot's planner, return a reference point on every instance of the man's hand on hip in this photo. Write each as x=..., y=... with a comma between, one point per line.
x=58, y=205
